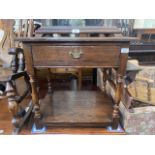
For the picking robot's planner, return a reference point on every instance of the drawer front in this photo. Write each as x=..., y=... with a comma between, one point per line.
x=76, y=56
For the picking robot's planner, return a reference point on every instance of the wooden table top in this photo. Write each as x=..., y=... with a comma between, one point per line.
x=77, y=29
x=76, y=39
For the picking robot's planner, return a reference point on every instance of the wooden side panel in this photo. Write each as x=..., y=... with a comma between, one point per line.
x=55, y=56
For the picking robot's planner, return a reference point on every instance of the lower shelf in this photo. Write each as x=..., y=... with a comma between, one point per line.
x=77, y=109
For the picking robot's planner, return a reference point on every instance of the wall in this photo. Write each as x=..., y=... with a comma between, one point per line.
x=7, y=27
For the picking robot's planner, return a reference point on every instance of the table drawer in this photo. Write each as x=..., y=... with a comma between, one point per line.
x=76, y=56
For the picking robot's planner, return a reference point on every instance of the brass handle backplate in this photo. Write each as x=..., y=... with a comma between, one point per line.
x=76, y=54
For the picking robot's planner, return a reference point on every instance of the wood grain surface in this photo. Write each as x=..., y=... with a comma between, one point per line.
x=77, y=109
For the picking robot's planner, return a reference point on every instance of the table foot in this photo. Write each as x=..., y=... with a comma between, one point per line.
x=41, y=130
x=119, y=129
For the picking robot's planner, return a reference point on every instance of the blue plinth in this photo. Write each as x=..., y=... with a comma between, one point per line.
x=119, y=129
x=35, y=130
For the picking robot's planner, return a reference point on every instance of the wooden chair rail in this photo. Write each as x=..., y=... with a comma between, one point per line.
x=19, y=114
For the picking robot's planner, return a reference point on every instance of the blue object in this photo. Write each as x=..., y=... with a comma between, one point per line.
x=35, y=130
x=119, y=129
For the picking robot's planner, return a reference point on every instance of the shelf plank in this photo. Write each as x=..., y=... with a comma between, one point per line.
x=77, y=109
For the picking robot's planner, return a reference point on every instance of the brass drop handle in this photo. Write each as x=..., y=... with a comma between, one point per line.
x=76, y=54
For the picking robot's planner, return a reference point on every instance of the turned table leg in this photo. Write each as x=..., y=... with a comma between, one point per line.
x=79, y=79
x=119, y=81
x=50, y=89
x=35, y=101
x=115, y=114
x=104, y=79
